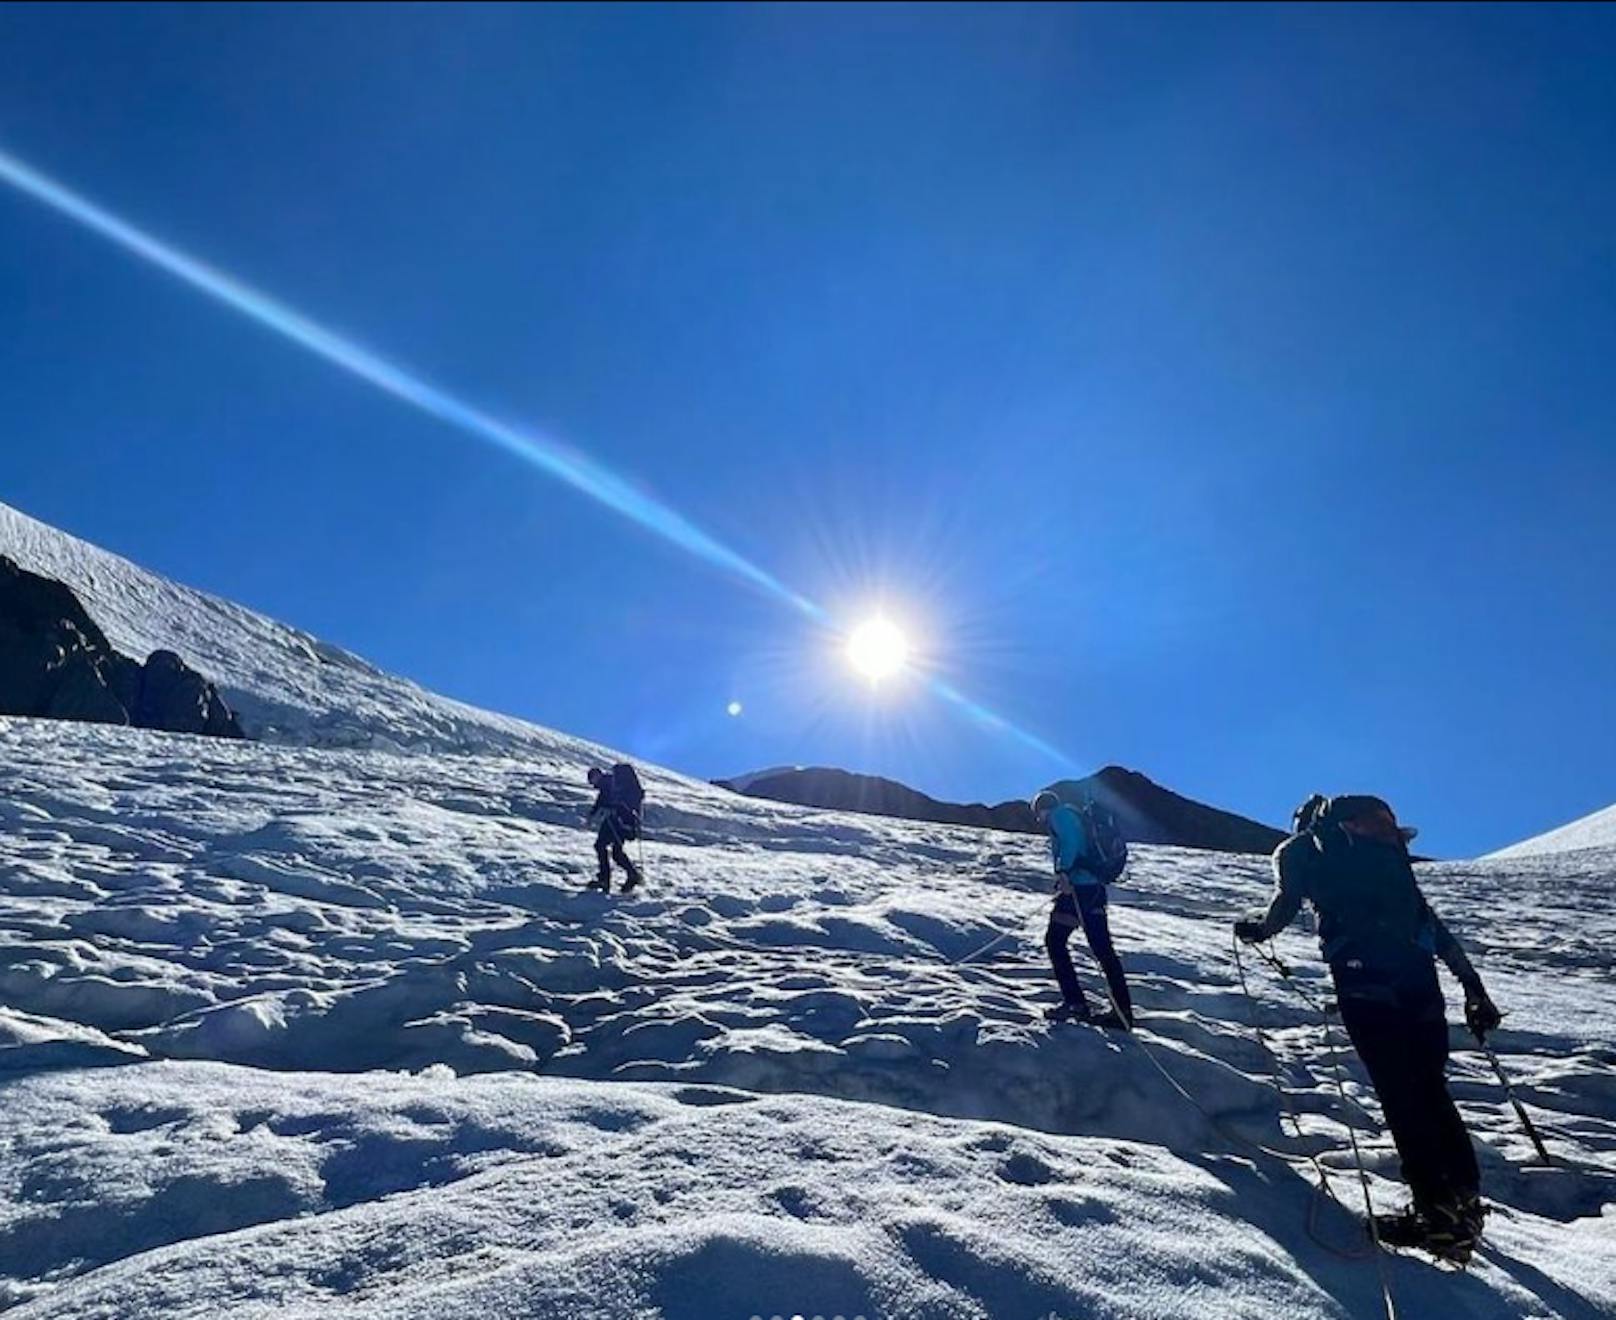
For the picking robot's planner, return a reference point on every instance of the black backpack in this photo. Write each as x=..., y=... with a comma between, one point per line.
x=1107, y=856
x=628, y=793
x=1364, y=887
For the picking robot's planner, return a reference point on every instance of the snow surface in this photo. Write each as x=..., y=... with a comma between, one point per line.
x=1597, y=830
x=286, y=685
x=292, y=1028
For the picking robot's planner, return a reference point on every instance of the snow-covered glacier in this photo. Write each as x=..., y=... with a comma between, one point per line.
x=322, y=1024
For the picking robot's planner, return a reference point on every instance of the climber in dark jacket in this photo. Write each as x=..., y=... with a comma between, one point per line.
x=615, y=821
x=1349, y=858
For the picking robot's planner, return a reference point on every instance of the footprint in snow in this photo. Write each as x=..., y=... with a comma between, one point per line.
x=1027, y=1170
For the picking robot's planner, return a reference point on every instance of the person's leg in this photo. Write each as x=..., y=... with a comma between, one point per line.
x=1097, y=930
x=620, y=856
x=603, y=868
x=1063, y=920
x=1397, y=1054
x=1454, y=1174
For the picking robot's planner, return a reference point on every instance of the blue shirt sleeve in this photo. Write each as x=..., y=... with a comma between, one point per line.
x=1067, y=839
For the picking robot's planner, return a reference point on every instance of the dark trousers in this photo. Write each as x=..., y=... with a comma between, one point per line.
x=1086, y=909
x=610, y=841
x=1400, y=1030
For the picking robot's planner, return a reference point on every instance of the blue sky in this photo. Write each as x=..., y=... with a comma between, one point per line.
x=1221, y=392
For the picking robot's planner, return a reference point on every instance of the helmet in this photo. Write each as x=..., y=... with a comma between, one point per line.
x=1044, y=803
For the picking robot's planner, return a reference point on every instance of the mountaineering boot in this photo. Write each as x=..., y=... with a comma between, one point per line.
x=1112, y=1020
x=633, y=881
x=1452, y=1229
x=1448, y=1231
x=1407, y=1228
x=602, y=883
x=1068, y=1012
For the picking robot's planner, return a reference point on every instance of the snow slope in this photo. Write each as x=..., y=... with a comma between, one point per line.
x=291, y=1029
x=1593, y=831
x=286, y=685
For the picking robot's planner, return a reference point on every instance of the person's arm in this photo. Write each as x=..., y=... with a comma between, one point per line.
x=1452, y=952
x=594, y=816
x=1481, y=1014
x=1067, y=843
x=1289, y=860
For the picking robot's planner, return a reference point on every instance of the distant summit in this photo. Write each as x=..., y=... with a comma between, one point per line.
x=1147, y=812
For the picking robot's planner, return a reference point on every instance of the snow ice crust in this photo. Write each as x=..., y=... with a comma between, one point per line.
x=323, y=1025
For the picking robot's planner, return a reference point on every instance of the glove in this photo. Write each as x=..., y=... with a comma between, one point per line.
x=1248, y=930
x=1481, y=1014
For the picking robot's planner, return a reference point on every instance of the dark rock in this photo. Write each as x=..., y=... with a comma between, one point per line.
x=80, y=693
x=124, y=677
x=56, y=664
x=1145, y=811
x=174, y=696
x=50, y=651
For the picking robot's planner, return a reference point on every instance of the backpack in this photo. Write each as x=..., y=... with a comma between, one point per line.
x=1364, y=887
x=1107, y=856
x=628, y=793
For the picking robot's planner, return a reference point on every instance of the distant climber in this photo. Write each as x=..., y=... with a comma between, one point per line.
x=1348, y=857
x=616, y=820
x=1088, y=853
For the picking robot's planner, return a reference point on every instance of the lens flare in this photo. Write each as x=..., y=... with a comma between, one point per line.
x=543, y=452
x=996, y=723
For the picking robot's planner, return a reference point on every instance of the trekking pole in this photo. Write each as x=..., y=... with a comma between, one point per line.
x=1509, y=1092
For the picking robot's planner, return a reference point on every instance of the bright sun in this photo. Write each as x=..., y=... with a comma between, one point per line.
x=878, y=649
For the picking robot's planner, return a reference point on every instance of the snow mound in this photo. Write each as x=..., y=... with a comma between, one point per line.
x=226, y=1191
x=1593, y=831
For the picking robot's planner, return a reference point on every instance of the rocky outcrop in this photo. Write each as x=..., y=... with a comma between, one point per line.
x=1145, y=811
x=1148, y=813
x=56, y=664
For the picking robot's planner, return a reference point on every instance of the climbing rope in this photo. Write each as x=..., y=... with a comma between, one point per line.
x=1326, y=1190
x=1379, y=1248
x=1322, y=1190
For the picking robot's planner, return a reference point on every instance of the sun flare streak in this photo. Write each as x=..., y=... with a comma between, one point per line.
x=541, y=451
x=544, y=452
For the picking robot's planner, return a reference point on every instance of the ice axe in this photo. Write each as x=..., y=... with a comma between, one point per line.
x=1509, y=1091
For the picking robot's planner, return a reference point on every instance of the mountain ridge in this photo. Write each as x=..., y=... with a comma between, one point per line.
x=1146, y=812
